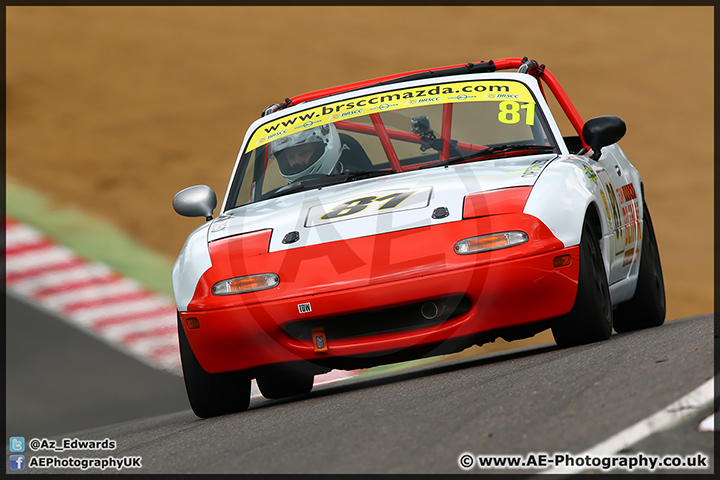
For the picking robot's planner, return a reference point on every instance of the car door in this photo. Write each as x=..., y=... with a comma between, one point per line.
x=621, y=202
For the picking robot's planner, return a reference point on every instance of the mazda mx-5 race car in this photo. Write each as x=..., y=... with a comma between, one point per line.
x=409, y=216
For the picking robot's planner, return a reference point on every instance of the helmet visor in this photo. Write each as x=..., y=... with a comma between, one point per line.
x=295, y=159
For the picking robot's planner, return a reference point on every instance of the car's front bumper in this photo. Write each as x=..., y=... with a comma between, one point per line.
x=505, y=288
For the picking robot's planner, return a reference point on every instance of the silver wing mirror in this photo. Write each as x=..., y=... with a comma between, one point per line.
x=196, y=201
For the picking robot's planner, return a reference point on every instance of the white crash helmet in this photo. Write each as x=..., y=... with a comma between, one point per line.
x=326, y=142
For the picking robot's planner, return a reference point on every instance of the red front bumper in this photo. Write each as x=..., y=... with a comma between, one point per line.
x=505, y=288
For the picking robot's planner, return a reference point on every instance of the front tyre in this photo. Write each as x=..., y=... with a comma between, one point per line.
x=647, y=306
x=211, y=394
x=591, y=317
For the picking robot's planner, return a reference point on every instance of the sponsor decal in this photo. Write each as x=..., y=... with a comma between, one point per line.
x=590, y=173
x=535, y=167
x=626, y=193
x=631, y=216
x=304, y=307
x=629, y=254
x=423, y=100
x=501, y=96
x=306, y=125
x=615, y=210
x=385, y=106
x=607, y=210
x=352, y=113
x=462, y=97
x=472, y=91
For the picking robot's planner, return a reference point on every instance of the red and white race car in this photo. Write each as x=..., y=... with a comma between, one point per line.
x=408, y=216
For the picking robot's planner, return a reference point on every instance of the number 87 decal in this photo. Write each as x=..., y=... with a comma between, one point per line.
x=510, y=112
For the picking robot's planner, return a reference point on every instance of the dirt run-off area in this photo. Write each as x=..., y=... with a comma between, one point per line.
x=112, y=110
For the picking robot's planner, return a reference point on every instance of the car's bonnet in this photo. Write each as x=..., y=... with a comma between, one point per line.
x=375, y=206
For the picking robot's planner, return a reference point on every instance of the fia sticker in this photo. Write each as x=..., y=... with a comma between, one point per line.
x=304, y=307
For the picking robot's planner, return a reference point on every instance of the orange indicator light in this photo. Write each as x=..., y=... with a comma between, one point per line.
x=249, y=283
x=486, y=243
x=561, y=261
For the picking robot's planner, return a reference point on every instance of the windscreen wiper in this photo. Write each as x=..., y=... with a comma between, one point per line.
x=514, y=147
x=342, y=178
x=284, y=190
x=361, y=175
x=324, y=181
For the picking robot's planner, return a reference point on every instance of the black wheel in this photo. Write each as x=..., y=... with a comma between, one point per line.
x=591, y=317
x=211, y=394
x=647, y=306
x=286, y=383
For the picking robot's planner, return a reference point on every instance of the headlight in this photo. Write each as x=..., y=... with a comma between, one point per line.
x=494, y=241
x=249, y=283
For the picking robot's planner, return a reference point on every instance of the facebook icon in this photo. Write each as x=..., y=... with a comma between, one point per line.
x=17, y=462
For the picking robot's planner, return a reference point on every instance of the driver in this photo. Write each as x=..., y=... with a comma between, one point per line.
x=313, y=151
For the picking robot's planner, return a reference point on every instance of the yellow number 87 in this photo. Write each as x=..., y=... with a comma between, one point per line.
x=510, y=112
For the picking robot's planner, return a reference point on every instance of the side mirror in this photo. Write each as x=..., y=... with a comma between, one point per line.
x=197, y=201
x=602, y=131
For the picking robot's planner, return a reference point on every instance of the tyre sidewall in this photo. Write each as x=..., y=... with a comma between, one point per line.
x=591, y=318
x=647, y=307
x=211, y=394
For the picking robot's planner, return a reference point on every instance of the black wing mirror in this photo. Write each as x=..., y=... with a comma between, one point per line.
x=602, y=131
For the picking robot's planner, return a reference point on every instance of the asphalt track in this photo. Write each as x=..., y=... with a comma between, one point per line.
x=539, y=399
x=59, y=379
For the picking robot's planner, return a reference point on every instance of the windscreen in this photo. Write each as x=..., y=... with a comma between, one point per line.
x=388, y=133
